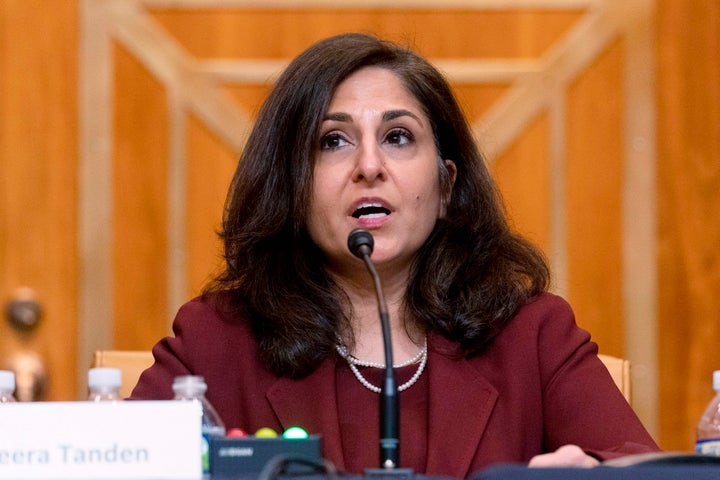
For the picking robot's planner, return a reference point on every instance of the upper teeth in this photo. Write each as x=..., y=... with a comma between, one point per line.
x=369, y=205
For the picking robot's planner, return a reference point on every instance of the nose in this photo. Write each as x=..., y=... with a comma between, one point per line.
x=369, y=165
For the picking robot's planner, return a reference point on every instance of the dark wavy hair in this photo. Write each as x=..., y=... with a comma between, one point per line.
x=470, y=276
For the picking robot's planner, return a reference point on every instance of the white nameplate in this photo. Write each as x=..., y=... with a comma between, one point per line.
x=126, y=440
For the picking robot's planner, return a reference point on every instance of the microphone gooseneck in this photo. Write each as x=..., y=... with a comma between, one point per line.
x=361, y=244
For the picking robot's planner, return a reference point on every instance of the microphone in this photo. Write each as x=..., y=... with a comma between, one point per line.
x=361, y=244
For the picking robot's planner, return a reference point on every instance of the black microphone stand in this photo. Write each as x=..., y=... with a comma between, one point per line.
x=361, y=244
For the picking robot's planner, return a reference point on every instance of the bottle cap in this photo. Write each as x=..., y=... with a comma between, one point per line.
x=185, y=383
x=7, y=380
x=104, y=377
x=716, y=380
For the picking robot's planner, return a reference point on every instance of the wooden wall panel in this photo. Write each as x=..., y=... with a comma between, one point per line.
x=688, y=40
x=475, y=99
x=594, y=179
x=210, y=167
x=283, y=33
x=140, y=205
x=38, y=183
x=524, y=177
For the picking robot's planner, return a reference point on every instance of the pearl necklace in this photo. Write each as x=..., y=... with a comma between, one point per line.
x=355, y=362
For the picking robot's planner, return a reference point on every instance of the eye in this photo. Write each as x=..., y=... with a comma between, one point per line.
x=333, y=141
x=399, y=136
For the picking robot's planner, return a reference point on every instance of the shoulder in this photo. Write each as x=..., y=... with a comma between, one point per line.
x=213, y=304
x=546, y=318
x=210, y=337
x=546, y=315
x=540, y=338
x=546, y=330
x=212, y=332
x=543, y=306
x=216, y=308
x=211, y=319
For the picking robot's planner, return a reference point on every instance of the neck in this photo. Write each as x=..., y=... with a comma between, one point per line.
x=367, y=329
x=359, y=287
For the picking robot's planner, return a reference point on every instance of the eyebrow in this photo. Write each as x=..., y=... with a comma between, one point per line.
x=338, y=117
x=386, y=117
x=393, y=114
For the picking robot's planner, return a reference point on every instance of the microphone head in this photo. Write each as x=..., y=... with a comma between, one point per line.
x=360, y=242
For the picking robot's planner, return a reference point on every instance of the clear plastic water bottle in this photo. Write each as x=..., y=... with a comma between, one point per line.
x=192, y=388
x=104, y=384
x=708, y=428
x=7, y=386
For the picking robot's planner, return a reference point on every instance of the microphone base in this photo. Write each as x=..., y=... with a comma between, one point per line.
x=392, y=473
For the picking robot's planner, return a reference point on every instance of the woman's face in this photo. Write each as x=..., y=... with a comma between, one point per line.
x=376, y=167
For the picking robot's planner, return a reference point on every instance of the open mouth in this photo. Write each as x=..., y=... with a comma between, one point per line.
x=370, y=210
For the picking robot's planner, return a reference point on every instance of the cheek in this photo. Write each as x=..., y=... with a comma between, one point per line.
x=322, y=201
x=428, y=195
x=324, y=195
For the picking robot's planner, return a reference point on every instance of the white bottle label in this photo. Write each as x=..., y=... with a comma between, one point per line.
x=710, y=446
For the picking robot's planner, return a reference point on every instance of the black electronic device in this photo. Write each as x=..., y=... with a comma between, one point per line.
x=647, y=472
x=238, y=457
x=645, y=466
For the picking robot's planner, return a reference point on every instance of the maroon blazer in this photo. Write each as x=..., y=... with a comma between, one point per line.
x=537, y=387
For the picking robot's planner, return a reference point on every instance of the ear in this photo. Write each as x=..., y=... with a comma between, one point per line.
x=452, y=170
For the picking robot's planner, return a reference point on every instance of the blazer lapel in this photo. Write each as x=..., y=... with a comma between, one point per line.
x=311, y=403
x=460, y=403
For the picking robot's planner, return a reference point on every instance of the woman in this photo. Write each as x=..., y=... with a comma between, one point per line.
x=362, y=133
